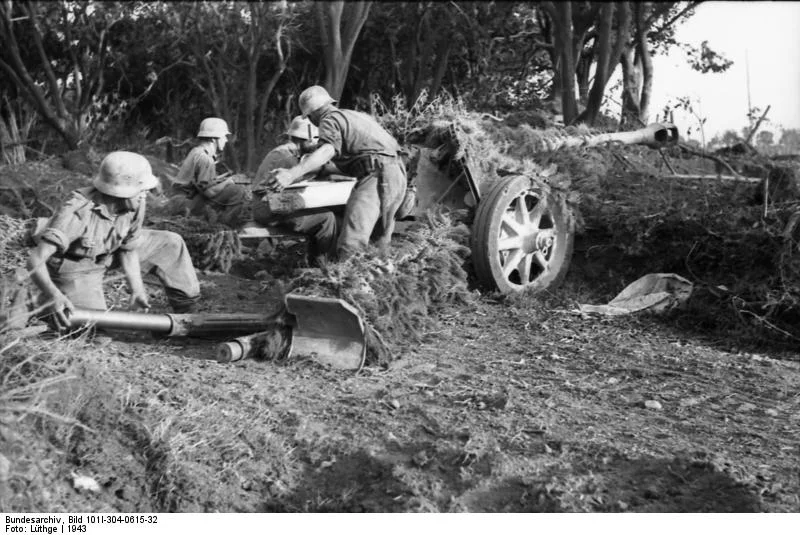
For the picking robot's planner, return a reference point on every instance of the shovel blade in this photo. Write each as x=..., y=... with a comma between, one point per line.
x=328, y=330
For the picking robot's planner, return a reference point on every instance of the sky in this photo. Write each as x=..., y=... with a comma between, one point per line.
x=763, y=35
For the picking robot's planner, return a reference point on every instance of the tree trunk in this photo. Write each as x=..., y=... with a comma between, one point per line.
x=442, y=56
x=631, y=82
x=273, y=81
x=561, y=15
x=250, y=112
x=582, y=72
x=544, y=18
x=49, y=106
x=607, y=55
x=422, y=58
x=340, y=24
x=11, y=148
x=647, y=62
x=602, y=56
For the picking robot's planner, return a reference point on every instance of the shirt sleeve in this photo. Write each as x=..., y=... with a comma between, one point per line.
x=330, y=131
x=205, y=174
x=276, y=159
x=64, y=227
x=135, y=235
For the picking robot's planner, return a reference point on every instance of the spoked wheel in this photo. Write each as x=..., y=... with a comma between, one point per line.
x=522, y=238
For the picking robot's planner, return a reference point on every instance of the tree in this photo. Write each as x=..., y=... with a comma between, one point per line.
x=339, y=24
x=653, y=32
x=598, y=36
x=608, y=48
x=765, y=139
x=560, y=14
x=730, y=138
x=57, y=54
x=241, y=50
x=790, y=139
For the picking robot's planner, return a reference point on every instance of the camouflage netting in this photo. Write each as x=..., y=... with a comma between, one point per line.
x=212, y=246
x=15, y=287
x=400, y=295
x=14, y=242
x=497, y=148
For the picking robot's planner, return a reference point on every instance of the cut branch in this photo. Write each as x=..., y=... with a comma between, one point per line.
x=713, y=157
x=758, y=124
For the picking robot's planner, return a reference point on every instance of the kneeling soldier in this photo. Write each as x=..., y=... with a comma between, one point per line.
x=100, y=228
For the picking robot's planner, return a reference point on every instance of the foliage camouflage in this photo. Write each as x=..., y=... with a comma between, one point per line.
x=401, y=294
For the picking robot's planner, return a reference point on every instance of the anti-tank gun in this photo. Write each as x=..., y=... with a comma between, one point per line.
x=523, y=232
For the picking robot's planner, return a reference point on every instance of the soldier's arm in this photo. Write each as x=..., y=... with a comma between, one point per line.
x=59, y=304
x=129, y=260
x=205, y=173
x=312, y=163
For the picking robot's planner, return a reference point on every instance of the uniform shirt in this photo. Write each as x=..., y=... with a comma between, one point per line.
x=82, y=228
x=199, y=168
x=283, y=156
x=354, y=134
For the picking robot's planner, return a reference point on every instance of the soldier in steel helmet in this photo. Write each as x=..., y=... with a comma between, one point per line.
x=361, y=148
x=199, y=172
x=321, y=228
x=100, y=228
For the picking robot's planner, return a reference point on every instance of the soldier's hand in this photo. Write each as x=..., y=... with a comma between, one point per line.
x=61, y=308
x=280, y=179
x=139, y=302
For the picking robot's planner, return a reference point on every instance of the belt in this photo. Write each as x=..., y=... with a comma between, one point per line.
x=368, y=164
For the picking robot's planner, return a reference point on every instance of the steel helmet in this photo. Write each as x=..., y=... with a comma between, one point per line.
x=313, y=98
x=124, y=175
x=213, y=127
x=303, y=129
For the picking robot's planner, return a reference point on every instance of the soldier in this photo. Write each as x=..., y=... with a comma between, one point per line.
x=199, y=172
x=99, y=228
x=361, y=148
x=321, y=228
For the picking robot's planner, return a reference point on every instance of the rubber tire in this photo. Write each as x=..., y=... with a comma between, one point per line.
x=486, y=232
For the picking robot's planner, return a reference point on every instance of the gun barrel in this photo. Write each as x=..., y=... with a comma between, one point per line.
x=113, y=319
x=655, y=135
x=172, y=324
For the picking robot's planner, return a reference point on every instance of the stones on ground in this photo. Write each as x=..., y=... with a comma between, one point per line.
x=652, y=404
x=771, y=412
x=746, y=407
x=689, y=402
x=86, y=483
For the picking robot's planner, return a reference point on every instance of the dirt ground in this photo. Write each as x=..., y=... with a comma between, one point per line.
x=515, y=404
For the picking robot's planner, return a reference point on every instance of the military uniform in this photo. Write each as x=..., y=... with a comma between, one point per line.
x=322, y=228
x=369, y=153
x=199, y=171
x=87, y=236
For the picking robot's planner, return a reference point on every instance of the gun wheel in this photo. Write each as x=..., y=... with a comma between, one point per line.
x=522, y=238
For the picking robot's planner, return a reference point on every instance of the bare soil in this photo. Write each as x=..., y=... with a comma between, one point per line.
x=515, y=404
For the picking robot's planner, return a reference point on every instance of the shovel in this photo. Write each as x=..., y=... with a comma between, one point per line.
x=328, y=330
